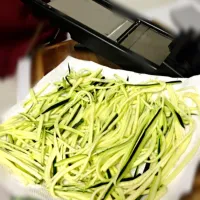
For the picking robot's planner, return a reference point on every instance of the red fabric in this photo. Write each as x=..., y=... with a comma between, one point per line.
x=17, y=27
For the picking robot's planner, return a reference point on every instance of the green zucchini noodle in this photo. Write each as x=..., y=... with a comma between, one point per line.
x=93, y=138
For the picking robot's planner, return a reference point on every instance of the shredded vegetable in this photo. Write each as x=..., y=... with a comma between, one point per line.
x=93, y=138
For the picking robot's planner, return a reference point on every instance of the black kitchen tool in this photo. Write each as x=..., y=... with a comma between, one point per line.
x=129, y=41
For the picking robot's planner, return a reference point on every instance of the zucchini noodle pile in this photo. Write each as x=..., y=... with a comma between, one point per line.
x=93, y=138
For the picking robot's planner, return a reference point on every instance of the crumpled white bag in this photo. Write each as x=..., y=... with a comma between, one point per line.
x=181, y=185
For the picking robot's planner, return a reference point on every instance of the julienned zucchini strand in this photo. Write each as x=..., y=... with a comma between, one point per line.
x=93, y=138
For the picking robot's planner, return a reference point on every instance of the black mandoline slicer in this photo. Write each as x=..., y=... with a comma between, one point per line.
x=131, y=42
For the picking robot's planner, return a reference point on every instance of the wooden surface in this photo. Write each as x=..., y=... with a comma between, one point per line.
x=48, y=58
